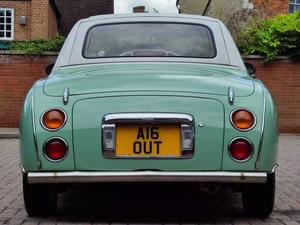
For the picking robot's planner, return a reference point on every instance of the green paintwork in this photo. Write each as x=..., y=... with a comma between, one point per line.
x=208, y=155
x=27, y=148
x=179, y=77
x=196, y=89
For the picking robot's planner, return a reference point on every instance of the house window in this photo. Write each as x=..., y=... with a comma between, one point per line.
x=6, y=24
x=294, y=5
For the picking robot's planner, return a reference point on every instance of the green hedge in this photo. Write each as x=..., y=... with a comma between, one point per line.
x=273, y=37
x=36, y=46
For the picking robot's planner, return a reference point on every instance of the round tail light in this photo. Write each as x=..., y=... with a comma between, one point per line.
x=243, y=119
x=53, y=119
x=55, y=149
x=240, y=149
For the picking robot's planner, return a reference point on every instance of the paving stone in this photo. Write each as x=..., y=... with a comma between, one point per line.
x=4, y=219
x=32, y=221
x=70, y=223
x=291, y=223
x=16, y=221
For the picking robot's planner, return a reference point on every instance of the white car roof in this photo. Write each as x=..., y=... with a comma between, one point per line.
x=147, y=15
x=227, y=52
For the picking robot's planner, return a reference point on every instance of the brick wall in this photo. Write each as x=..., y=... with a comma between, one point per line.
x=18, y=73
x=219, y=9
x=21, y=8
x=272, y=7
x=41, y=20
x=72, y=11
x=52, y=23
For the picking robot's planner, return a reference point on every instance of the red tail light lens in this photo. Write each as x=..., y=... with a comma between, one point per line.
x=240, y=149
x=56, y=149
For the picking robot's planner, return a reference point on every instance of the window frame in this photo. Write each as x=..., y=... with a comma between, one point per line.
x=293, y=4
x=5, y=24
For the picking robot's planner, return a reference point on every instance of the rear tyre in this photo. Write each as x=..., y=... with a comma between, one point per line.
x=258, y=199
x=39, y=199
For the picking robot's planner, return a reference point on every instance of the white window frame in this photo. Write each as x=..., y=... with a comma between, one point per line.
x=293, y=3
x=12, y=25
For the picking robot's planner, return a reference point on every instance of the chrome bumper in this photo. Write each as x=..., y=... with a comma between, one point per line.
x=146, y=176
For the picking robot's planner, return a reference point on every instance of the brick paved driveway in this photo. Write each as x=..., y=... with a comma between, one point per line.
x=150, y=203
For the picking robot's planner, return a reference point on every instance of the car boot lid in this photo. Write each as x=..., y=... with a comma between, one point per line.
x=156, y=77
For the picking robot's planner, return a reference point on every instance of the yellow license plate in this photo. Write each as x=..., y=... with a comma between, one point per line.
x=148, y=140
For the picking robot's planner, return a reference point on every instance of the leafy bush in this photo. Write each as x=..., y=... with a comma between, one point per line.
x=272, y=37
x=239, y=20
x=37, y=46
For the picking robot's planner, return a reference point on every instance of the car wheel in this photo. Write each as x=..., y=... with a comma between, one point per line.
x=258, y=199
x=39, y=199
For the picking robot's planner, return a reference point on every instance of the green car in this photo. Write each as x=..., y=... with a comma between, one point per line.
x=149, y=98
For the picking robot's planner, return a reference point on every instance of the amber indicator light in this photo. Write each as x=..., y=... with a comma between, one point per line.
x=243, y=119
x=53, y=119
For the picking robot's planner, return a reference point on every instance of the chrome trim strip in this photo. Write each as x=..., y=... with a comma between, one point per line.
x=53, y=130
x=148, y=118
x=274, y=168
x=66, y=95
x=52, y=160
x=231, y=95
x=262, y=130
x=147, y=176
x=243, y=130
x=37, y=158
x=22, y=168
x=245, y=160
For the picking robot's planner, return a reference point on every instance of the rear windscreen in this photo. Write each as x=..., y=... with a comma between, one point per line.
x=149, y=39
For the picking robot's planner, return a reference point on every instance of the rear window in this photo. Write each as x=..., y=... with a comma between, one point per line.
x=149, y=39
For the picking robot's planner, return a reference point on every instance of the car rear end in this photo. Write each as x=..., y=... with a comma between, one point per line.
x=140, y=115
